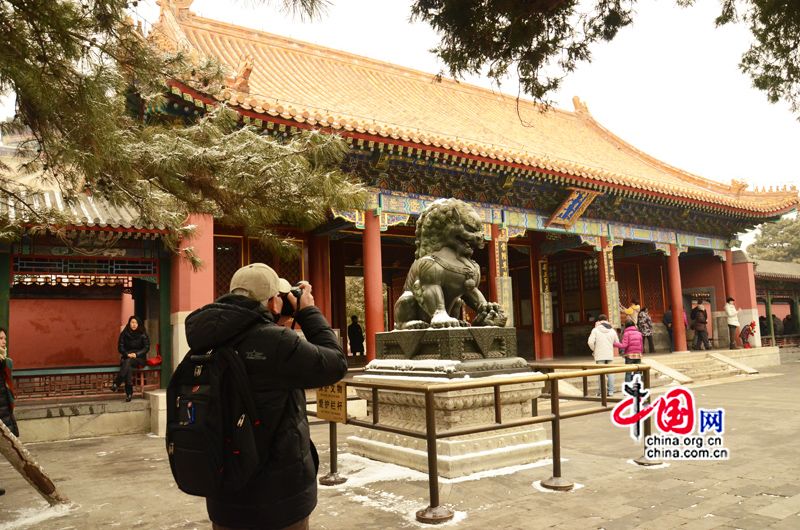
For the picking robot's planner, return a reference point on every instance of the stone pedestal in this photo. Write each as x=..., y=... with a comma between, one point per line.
x=448, y=352
x=460, y=455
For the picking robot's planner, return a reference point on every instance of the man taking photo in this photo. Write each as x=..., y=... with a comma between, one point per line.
x=280, y=365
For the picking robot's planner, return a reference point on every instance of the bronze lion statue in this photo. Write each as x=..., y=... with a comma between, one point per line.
x=443, y=276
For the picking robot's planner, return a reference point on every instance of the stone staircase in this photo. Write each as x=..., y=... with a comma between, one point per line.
x=700, y=366
x=574, y=387
x=683, y=368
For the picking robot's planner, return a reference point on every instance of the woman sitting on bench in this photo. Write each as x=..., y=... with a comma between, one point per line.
x=133, y=347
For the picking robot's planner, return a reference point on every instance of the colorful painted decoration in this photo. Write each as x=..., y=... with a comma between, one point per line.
x=573, y=207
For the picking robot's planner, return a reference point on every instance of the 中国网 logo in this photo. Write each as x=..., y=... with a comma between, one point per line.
x=676, y=420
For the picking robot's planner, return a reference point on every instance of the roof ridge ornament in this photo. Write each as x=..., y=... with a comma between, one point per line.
x=580, y=106
x=738, y=186
x=179, y=7
x=240, y=80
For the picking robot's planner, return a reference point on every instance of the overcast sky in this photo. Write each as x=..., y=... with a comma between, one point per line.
x=669, y=84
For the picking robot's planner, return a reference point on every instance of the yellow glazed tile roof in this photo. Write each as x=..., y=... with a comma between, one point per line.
x=319, y=86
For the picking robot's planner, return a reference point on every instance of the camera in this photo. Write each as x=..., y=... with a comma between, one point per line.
x=297, y=292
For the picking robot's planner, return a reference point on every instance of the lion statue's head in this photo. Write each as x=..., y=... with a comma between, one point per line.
x=449, y=223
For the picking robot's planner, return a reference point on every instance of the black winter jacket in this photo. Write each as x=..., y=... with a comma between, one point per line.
x=700, y=320
x=280, y=365
x=133, y=341
x=7, y=400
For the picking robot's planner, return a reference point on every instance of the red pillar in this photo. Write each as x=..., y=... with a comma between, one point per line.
x=319, y=272
x=727, y=271
x=373, y=281
x=535, y=305
x=603, y=278
x=543, y=342
x=126, y=309
x=493, y=267
x=676, y=299
x=191, y=289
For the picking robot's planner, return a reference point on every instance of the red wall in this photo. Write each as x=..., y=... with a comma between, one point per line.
x=744, y=277
x=779, y=309
x=63, y=332
x=705, y=272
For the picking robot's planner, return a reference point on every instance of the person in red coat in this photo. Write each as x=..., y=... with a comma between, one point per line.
x=631, y=347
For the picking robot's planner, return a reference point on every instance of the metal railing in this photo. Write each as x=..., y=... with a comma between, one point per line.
x=435, y=512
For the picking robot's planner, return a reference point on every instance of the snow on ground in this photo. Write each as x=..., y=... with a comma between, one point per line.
x=361, y=472
x=30, y=517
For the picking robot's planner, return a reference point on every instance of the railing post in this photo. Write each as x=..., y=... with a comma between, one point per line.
x=333, y=478
x=603, y=389
x=556, y=482
x=644, y=460
x=375, y=417
x=434, y=513
x=498, y=408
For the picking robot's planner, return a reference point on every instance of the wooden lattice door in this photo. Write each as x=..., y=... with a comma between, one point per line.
x=653, y=291
x=227, y=260
x=628, y=281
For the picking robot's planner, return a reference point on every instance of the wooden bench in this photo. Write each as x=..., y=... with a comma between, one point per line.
x=83, y=381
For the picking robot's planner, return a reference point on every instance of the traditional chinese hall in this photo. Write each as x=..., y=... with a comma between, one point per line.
x=577, y=221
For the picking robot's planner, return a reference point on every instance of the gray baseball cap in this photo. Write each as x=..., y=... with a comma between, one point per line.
x=260, y=281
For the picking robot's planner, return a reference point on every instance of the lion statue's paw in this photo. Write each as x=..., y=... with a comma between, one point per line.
x=441, y=319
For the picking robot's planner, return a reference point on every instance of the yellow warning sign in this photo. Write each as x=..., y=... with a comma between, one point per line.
x=332, y=402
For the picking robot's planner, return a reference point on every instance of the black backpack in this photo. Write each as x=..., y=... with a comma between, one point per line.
x=214, y=438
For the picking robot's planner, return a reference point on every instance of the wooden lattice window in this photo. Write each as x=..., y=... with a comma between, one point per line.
x=591, y=276
x=290, y=268
x=652, y=291
x=258, y=254
x=569, y=272
x=227, y=259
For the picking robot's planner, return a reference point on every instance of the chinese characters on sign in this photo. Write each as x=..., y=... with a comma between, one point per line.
x=676, y=417
x=572, y=208
x=332, y=403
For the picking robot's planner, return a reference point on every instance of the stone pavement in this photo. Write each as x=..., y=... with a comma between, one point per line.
x=124, y=481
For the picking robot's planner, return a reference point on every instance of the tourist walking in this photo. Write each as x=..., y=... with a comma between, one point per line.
x=631, y=346
x=280, y=366
x=645, y=325
x=733, y=321
x=700, y=327
x=355, y=336
x=133, y=345
x=601, y=342
x=6, y=389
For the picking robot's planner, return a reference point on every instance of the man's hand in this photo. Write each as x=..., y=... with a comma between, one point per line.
x=306, y=298
x=131, y=355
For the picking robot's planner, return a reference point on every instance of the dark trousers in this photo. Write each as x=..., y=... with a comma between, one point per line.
x=299, y=525
x=125, y=374
x=629, y=375
x=701, y=336
x=650, y=344
x=732, y=333
x=669, y=334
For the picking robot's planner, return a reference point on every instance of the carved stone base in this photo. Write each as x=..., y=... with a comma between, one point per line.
x=459, y=455
x=450, y=352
